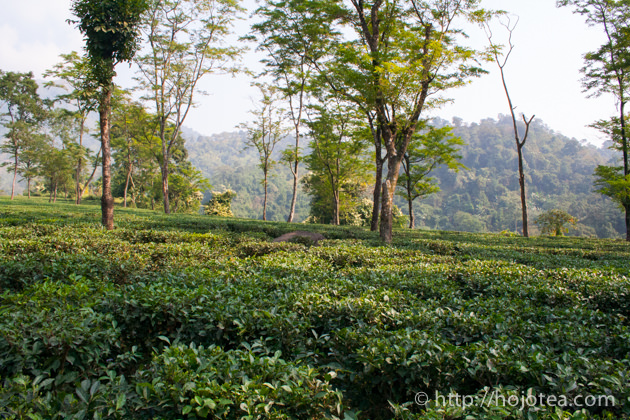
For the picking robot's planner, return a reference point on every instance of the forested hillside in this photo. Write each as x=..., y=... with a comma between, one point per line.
x=224, y=160
x=482, y=198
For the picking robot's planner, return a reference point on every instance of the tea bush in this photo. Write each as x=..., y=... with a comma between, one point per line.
x=187, y=316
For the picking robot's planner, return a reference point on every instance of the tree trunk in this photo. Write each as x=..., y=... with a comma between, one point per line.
x=15, y=171
x=79, y=168
x=336, y=218
x=107, y=200
x=295, y=177
x=29, y=187
x=412, y=219
x=389, y=188
x=378, y=147
x=626, y=168
x=167, y=205
x=129, y=170
x=521, y=181
x=377, y=191
x=265, y=201
x=126, y=188
x=386, y=225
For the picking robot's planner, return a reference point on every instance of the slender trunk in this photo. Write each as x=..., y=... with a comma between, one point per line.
x=126, y=188
x=50, y=196
x=55, y=196
x=107, y=200
x=164, y=167
x=15, y=171
x=29, y=187
x=295, y=172
x=265, y=200
x=412, y=220
x=377, y=186
x=295, y=189
x=336, y=218
x=79, y=163
x=626, y=168
x=87, y=184
x=406, y=168
x=129, y=170
x=521, y=181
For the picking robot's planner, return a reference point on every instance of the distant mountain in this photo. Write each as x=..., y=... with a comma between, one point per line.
x=484, y=198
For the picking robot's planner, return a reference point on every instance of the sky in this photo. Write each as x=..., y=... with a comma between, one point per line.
x=542, y=74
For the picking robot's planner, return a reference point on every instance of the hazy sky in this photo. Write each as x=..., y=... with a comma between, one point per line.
x=542, y=74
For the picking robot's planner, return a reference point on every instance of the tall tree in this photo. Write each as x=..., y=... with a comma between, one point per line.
x=22, y=112
x=501, y=61
x=185, y=43
x=607, y=71
x=265, y=132
x=337, y=159
x=430, y=149
x=77, y=79
x=403, y=56
x=129, y=121
x=291, y=35
x=111, y=32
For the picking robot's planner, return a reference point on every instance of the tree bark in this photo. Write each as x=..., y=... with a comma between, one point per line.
x=378, y=182
x=167, y=205
x=29, y=187
x=336, y=218
x=295, y=186
x=624, y=150
x=79, y=168
x=521, y=181
x=107, y=200
x=129, y=171
x=15, y=170
x=265, y=200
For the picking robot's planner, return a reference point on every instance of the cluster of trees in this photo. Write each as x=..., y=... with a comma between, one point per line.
x=356, y=78
x=46, y=139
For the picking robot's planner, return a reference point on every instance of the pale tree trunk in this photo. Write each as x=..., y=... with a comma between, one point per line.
x=79, y=168
x=296, y=164
x=521, y=181
x=129, y=172
x=336, y=218
x=107, y=200
x=295, y=189
x=29, y=187
x=626, y=168
x=387, y=202
x=265, y=200
x=15, y=171
x=164, y=168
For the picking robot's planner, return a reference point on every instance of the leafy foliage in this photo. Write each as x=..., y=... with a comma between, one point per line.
x=554, y=221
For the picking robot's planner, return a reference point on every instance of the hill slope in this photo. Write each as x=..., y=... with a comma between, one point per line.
x=484, y=198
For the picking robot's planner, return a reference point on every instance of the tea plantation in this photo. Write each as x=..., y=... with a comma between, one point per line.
x=190, y=317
